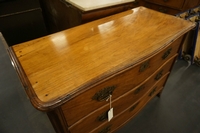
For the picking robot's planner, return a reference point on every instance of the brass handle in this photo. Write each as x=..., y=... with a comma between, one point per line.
x=139, y=89
x=152, y=92
x=167, y=53
x=104, y=93
x=144, y=66
x=103, y=117
x=106, y=129
x=159, y=75
x=134, y=106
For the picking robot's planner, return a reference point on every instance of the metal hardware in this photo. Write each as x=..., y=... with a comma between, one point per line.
x=104, y=93
x=153, y=91
x=133, y=107
x=103, y=117
x=144, y=66
x=159, y=75
x=106, y=129
x=187, y=57
x=139, y=89
x=167, y=53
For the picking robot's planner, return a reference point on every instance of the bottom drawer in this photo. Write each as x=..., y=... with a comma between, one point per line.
x=129, y=113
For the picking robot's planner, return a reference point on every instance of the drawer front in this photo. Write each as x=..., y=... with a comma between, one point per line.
x=177, y=4
x=162, y=9
x=95, y=97
x=119, y=105
x=129, y=113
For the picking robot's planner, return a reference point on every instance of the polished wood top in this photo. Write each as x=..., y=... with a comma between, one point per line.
x=61, y=65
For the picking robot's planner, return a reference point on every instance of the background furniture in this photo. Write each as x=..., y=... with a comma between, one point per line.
x=171, y=6
x=21, y=20
x=60, y=14
x=64, y=14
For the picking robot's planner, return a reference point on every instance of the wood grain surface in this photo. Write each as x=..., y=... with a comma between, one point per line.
x=62, y=65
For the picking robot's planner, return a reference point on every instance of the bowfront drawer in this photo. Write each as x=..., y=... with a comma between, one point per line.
x=125, y=101
x=130, y=112
x=117, y=85
x=177, y=4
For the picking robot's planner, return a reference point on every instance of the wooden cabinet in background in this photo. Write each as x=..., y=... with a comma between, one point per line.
x=21, y=20
x=61, y=15
x=124, y=59
x=171, y=6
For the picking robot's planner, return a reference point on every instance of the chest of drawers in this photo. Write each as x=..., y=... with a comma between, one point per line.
x=118, y=62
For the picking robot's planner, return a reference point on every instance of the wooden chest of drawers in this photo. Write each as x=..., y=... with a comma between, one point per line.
x=118, y=62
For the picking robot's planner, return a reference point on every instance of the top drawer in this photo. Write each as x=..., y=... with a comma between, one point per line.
x=96, y=96
x=177, y=4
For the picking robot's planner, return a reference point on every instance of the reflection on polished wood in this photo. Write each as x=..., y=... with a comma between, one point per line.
x=64, y=64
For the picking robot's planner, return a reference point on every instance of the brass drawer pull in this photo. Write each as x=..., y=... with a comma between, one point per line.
x=139, y=89
x=103, y=117
x=104, y=93
x=153, y=91
x=134, y=106
x=159, y=75
x=144, y=66
x=106, y=129
x=167, y=53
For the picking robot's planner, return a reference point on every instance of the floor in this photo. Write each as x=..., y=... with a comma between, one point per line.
x=176, y=111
